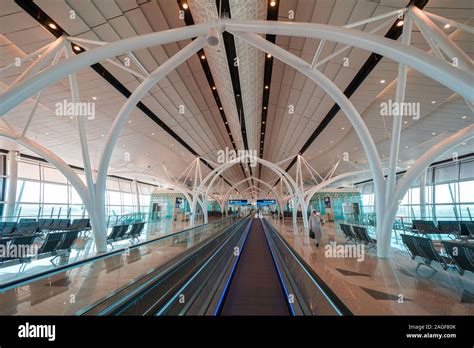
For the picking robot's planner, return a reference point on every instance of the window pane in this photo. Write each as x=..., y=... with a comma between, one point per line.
x=28, y=170
x=52, y=174
x=466, y=191
x=28, y=191
x=54, y=193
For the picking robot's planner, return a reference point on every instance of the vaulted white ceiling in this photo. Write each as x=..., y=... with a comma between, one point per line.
x=201, y=126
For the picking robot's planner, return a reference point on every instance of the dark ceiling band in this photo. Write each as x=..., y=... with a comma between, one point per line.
x=188, y=20
x=39, y=15
x=393, y=33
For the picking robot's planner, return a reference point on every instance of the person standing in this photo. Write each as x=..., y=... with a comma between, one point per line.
x=315, y=222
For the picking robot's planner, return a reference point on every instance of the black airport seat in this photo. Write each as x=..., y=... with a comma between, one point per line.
x=425, y=227
x=347, y=231
x=136, y=230
x=467, y=229
x=451, y=227
x=27, y=228
x=113, y=235
x=123, y=232
x=80, y=224
x=27, y=220
x=7, y=228
x=45, y=223
x=364, y=236
x=68, y=241
x=51, y=243
x=424, y=249
x=462, y=254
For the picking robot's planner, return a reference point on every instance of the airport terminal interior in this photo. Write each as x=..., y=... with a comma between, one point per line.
x=236, y=157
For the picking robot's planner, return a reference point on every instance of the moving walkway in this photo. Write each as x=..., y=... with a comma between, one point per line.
x=246, y=269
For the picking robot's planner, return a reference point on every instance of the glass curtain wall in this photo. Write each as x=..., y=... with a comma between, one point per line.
x=43, y=192
x=449, y=193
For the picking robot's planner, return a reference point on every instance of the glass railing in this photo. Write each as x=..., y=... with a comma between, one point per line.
x=94, y=279
x=148, y=294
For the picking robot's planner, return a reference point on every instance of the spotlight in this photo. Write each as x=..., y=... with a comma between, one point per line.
x=382, y=81
x=203, y=57
x=185, y=6
x=269, y=55
x=77, y=48
x=447, y=26
x=272, y=3
x=52, y=26
x=400, y=23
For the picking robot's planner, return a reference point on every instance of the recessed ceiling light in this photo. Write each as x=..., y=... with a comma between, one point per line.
x=332, y=142
x=447, y=26
x=264, y=108
x=433, y=102
x=71, y=117
x=400, y=23
x=266, y=87
x=77, y=48
x=94, y=98
x=263, y=122
x=214, y=88
x=269, y=55
x=52, y=26
x=220, y=108
x=342, y=128
x=129, y=121
x=225, y=122
x=382, y=81
x=152, y=133
x=185, y=6
x=272, y=3
x=102, y=135
x=405, y=122
x=464, y=117
x=262, y=132
x=433, y=133
x=463, y=144
x=46, y=133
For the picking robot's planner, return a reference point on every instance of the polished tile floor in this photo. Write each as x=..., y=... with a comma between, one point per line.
x=383, y=287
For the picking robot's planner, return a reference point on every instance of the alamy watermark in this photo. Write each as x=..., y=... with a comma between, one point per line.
x=243, y=156
x=334, y=250
x=391, y=108
x=71, y=109
x=15, y=251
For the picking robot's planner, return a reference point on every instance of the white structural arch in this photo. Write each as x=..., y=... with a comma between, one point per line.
x=458, y=78
x=208, y=182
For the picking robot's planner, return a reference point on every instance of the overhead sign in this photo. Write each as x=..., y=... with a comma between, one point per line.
x=266, y=202
x=238, y=202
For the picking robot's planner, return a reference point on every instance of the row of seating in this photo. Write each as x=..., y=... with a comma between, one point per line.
x=122, y=232
x=32, y=226
x=460, y=255
x=55, y=244
x=443, y=227
x=358, y=234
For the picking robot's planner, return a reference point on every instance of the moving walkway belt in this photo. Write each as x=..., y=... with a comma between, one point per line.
x=256, y=287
